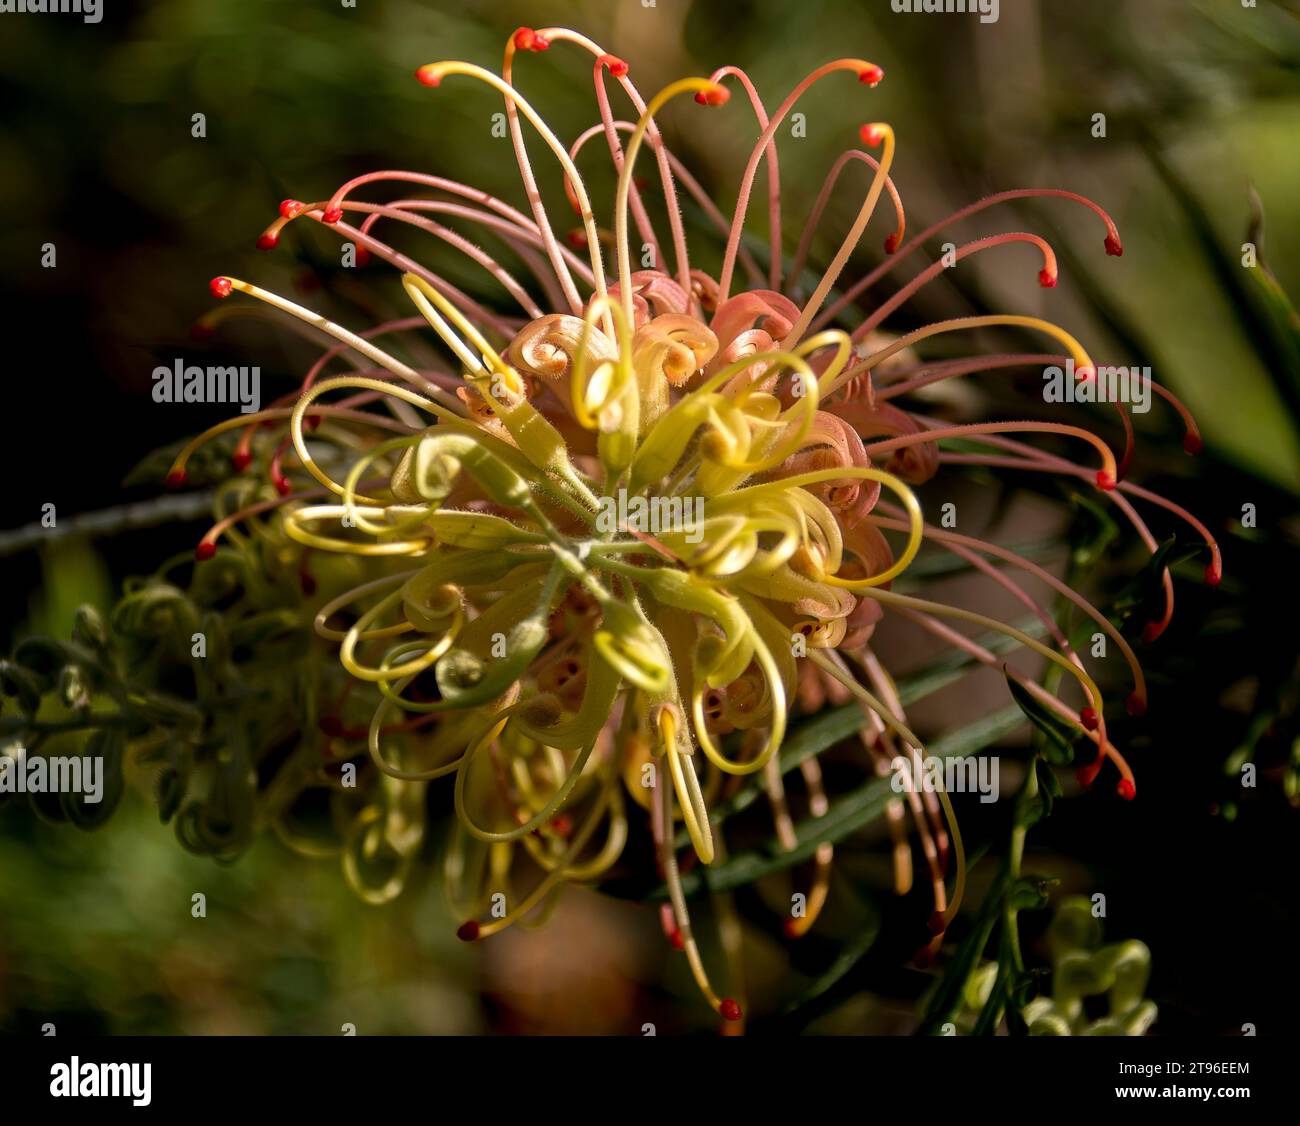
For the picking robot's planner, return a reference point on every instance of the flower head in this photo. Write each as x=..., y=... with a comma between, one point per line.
x=640, y=519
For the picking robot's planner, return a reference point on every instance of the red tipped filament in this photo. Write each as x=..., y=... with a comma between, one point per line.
x=871, y=134
x=526, y=39
x=713, y=96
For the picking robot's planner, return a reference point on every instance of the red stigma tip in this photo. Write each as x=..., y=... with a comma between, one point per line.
x=283, y=486
x=220, y=287
x=1126, y=789
x=330, y=725
x=332, y=215
x=892, y=243
x=715, y=95
x=679, y=943
x=617, y=67
x=363, y=256
x=1114, y=247
x=871, y=135
x=176, y=478
x=1135, y=704
x=1047, y=279
x=526, y=39
x=1088, y=717
x=205, y=550
x=1192, y=444
x=291, y=208
x=871, y=75
x=468, y=932
x=427, y=77
x=241, y=460
x=730, y=1010
x=1213, y=575
x=1106, y=480
x=1151, y=633
x=578, y=239
x=268, y=241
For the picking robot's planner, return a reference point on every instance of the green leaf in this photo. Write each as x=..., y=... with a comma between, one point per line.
x=1058, y=736
x=1030, y=893
x=1261, y=305
x=1049, y=789
x=1146, y=588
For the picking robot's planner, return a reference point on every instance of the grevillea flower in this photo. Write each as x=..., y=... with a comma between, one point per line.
x=645, y=516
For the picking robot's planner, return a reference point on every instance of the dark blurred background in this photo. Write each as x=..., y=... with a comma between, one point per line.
x=1201, y=154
